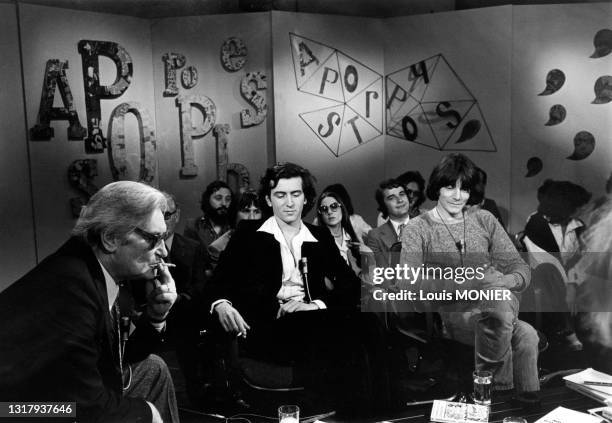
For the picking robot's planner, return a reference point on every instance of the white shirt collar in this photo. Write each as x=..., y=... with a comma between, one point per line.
x=112, y=287
x=397, y=224
x=271, y=226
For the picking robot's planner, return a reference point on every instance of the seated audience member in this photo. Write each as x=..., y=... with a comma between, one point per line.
x=447, y=237
x=478, y=199
x=186, y=317
x=249, y=208
x=394, y=202
x=555, y=229
x=61, y=338
x=360, y=226
x=414, y=185
x=281, y=308
x=332, y=213
x=218, y=206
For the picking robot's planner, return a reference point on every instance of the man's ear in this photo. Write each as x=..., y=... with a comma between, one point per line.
x=109, y=243
x=268, y=201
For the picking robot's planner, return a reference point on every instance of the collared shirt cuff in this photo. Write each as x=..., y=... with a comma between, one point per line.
x=320, y=304
x=222, y=300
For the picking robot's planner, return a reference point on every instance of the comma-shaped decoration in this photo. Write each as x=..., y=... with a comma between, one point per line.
x=233, y=54
x=250, y=84
x=148, y=146
x=55, y=76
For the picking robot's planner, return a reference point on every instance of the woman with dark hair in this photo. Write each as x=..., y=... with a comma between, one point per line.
x=555, y=229
x=414, y=185
x=332, y=213
x=361, y=227
x=473, y=244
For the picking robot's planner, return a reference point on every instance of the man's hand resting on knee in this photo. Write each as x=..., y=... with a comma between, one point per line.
x=230, y=319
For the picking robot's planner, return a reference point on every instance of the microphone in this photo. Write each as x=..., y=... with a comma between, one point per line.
x=304, y=271
x=125, y=329
x=459, y=245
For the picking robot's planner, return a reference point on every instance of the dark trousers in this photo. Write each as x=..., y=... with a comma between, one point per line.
x=151, y=381
x=338, y=351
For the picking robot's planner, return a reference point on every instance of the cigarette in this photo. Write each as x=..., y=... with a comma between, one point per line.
x=161, y=263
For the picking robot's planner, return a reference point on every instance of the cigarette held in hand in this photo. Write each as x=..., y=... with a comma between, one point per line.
x=161, y=263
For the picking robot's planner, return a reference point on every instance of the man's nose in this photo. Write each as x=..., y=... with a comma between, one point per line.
x=225, y=202
x=290, y=200
x=163, y=249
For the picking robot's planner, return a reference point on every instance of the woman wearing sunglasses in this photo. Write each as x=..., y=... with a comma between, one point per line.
x=332, y=213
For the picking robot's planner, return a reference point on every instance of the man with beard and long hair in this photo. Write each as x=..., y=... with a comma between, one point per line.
x=217, y=206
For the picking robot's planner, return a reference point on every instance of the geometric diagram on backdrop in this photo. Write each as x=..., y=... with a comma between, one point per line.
x=354, y=93
x=428, y=104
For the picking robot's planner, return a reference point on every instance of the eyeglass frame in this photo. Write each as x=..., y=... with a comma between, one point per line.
x=153, y=240
x=332, y=207
x=168, y=215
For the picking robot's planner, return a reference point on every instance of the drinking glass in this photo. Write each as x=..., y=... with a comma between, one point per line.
x=483, y=381
x=288, y=414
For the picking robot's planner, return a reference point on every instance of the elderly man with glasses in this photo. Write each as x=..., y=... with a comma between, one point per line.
x=63, y=337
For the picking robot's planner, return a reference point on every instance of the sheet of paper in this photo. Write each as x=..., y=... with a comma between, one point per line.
x=565, y=415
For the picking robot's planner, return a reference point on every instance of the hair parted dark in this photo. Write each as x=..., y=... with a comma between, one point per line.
x=380, y=194
x=287, y=171
x=346, y=221
x=451, y=168
x=249, y=198
x=416, y=177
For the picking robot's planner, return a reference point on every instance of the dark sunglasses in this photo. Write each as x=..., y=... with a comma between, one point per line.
x=168, y=215
x=154, y=240
x=332, y=207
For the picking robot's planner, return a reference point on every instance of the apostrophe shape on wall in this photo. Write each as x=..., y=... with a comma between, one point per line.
x=556, y=115
x=117, y=143
x=189, y=130
x=172, y=62
x=603, y=90
x=81, y=174
x=469, y=131
x=90, y=51
x=603, y=43
x=250, y=85
x=189, y=77
x=55, y=76
x=534, y=166
x=584, y=144
x=554, y=81
x=233, y=54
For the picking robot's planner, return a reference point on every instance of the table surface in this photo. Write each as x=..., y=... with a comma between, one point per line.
x=551, y=398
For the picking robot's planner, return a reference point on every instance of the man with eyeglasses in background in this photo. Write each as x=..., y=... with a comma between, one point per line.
x=62, y=336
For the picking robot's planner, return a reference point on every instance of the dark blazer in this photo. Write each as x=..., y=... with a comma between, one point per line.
x=250, y=270
x=380, y=240
x=57, y=339
x=190, y=259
